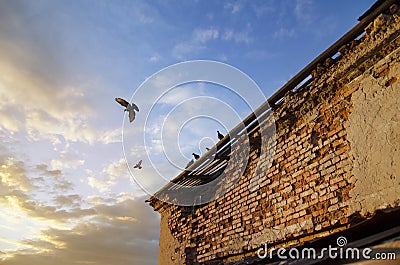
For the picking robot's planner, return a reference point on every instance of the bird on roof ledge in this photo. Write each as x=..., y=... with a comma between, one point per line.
x=130, y=108
x=220, y=135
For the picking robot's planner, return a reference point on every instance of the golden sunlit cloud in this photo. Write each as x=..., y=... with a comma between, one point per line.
x=117, y=239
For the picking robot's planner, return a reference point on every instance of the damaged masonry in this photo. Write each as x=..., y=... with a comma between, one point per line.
x=336, y=167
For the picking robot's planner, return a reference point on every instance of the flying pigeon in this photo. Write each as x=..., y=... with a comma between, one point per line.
x=138, y=165
x=196, y=156
x=220, y=135
x=130, y=108
x=190, y=163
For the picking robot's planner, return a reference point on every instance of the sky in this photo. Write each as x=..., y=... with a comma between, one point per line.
x=68, y=191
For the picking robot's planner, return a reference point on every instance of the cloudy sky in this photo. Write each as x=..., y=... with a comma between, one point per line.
x=68, y=192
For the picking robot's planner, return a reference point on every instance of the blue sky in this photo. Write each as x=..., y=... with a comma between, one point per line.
x=66, y=191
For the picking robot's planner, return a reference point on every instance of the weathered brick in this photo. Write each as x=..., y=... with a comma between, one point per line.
x=311, y=177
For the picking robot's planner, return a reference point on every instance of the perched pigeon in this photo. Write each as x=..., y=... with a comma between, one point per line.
x=138, y=165
x=130, y=108
x=196, y=156
x=208, y=149
x=190, y=163
x=220, y=135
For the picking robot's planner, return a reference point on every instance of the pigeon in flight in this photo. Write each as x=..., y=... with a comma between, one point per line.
x=138, y=165
x=220, y=135
x=130, y=108
x=190, y=163
x=196, y=156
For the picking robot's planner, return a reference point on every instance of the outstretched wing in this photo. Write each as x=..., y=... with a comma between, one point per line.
x=132, y=115
x=122, y=101
x=138, y=165
x=135, y=107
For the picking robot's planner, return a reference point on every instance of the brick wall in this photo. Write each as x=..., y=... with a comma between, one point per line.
x=324, y=171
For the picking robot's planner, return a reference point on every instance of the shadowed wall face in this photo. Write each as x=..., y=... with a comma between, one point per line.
x=337, y=155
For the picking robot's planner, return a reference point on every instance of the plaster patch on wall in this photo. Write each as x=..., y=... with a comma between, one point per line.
x=170, y=252
x=374, y=134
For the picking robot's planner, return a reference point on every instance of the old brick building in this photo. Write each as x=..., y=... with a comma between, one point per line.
x=336, y=160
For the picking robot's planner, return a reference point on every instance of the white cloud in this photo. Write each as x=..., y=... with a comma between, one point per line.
x=32, y=101
x=66, y=160
x=284, y=33
x=42, y=125
x=9, y=122
x=117, y=169
x=238, y=36
x=157, y=85
x=201, y=36
x=223, y=58
x=177, y=95
x=198, y=42
x=184, y=49
x=155, y=58
x=111, y=136
x=260, y=9
x=13, y=174
x=233, y=7
x=144, y=13
x=145, y=19
x=303, y=11
x=49, y=111
x=156, y=147
x=100, y=185
x=205, y=35
x=108, y=177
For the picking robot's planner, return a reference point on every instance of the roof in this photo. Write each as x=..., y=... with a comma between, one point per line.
x=211, y=164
